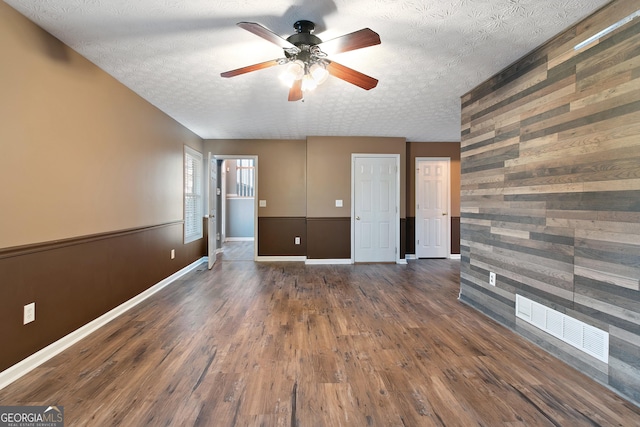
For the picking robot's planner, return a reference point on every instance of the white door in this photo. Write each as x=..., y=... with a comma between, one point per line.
x=375, y=211
x=432, y=208
x=212, y=222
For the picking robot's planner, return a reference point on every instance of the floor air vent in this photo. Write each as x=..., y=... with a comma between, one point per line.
x=592, y=341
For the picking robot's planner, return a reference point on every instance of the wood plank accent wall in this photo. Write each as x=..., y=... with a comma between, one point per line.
x=550, y=191
x=74, y=281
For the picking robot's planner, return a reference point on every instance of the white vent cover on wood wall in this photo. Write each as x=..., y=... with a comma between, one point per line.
x=590, y=340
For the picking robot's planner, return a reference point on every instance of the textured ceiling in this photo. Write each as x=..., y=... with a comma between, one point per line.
x=432, y=52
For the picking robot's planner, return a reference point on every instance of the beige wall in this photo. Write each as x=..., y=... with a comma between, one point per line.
x=329, y=171
x=281, y=172
x=81, y=153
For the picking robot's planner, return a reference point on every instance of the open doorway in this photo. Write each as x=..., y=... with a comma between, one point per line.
x=237, y=228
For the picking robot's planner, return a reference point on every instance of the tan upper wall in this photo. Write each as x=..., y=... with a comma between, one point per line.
x=329, y=171
x=433, y=149
x=281, y=172
x=81, y=153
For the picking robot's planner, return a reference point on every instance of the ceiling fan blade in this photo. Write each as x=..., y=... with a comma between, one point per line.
x=295, y=93
x=351, y=76
x=352, y=41
x=267, y=34
x=250, y=68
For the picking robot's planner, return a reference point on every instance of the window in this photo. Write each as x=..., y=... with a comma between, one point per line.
x=245, y=171
x=192, y=195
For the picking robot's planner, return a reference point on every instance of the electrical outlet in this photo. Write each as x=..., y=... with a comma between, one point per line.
x=296, y=240
x=492, y=278
x=173, y=253
x=29, y=314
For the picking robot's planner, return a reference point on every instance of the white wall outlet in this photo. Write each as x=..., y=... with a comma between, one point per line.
x=492, y=278
x=296, y=240
x=262, y=203
x=29, y=313
x=173, y=253
x=338, y=203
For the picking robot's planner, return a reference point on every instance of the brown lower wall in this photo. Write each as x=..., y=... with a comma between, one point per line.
x=411, y=235
x=74, y=281
x=410, y=247
x=321, y=238
x=403, y=238
x=455, y=235
x=276, y=236
x=329, y=238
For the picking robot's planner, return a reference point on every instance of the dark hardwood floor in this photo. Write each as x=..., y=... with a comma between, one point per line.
x=237, y=251
x=284, y=344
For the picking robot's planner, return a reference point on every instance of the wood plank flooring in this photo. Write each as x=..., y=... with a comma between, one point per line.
x=284, y=344
x=237, y=251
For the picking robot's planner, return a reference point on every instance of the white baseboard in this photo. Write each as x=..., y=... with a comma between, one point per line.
x=281, y=258
x=239, y=239
x=16, y=371
x=328, y=261
x=413, y=256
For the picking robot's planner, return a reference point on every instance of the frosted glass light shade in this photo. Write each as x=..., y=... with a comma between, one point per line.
x=308, y=83
x=319, y=73
x=293, y=72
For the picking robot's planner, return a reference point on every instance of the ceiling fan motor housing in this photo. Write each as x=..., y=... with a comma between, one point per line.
x=304, y=36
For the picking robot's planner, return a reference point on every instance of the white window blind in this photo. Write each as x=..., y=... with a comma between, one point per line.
x=192, y=195
x=245, y=172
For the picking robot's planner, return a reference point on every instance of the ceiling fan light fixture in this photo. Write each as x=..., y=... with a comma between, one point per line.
x=319, y=72
x=305, y=57
x=294, y=71
x=308, y=83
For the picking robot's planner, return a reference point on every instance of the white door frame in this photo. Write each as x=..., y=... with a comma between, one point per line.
x=353, y=207
x=255, y=198
x=448, y=189
x=212, y=212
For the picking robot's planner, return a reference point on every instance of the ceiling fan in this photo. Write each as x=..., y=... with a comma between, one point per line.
x=306, y=57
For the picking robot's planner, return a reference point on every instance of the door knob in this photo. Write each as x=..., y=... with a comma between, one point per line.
x=444, y=214
x=357, y=218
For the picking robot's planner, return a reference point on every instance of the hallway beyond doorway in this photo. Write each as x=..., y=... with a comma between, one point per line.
x=237, y=251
